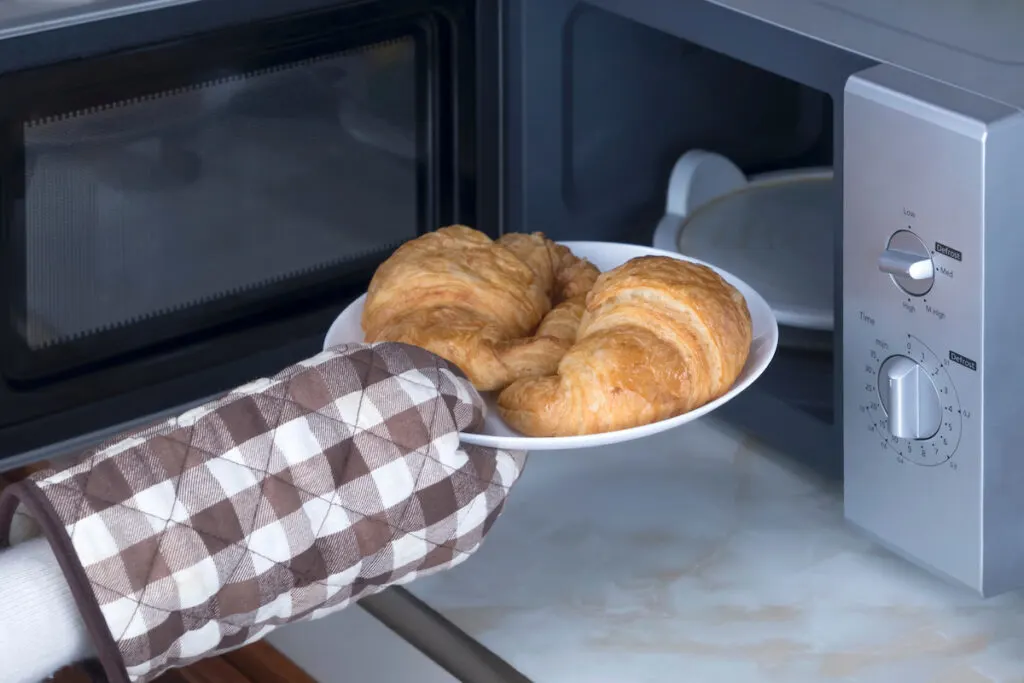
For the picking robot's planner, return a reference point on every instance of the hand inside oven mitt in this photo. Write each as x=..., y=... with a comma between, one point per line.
x=285, y=500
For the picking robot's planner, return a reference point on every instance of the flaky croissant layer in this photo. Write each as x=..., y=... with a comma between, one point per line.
x=499, y=310
x=659, y=337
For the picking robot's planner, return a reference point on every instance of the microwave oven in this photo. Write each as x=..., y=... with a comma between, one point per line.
x=190, y=190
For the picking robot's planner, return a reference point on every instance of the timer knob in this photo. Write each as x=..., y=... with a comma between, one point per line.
x=909, y=398
x=907, y=260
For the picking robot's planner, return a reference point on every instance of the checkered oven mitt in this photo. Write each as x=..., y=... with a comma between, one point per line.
x=285, y=500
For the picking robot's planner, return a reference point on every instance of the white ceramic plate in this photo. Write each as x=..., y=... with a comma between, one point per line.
x=605, y=255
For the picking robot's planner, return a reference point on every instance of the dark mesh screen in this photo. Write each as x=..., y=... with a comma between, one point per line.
x=158, y=204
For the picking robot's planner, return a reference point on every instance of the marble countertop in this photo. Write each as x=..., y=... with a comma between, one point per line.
x=700, y=555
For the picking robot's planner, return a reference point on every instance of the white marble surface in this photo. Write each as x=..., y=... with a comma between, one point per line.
x=700, y=556
x=350, y=646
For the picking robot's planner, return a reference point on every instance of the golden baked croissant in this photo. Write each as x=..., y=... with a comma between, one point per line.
x=484, y=305
x=659, y=337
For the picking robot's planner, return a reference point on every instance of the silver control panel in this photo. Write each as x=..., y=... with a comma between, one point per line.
x=933, y=326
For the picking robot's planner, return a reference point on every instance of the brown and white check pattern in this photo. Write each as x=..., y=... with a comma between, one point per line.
x=285, y=500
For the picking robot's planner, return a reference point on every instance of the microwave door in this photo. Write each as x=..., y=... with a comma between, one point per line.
x=198, y=207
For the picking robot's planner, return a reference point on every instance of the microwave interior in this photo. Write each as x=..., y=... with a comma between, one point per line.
x=609, y=104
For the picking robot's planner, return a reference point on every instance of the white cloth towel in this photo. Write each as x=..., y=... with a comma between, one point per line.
x=41, y=630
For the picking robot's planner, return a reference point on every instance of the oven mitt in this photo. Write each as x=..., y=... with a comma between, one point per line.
x=285, y=500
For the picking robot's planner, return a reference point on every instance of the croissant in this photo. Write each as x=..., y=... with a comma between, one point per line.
x=499, y=310
x=659, y=337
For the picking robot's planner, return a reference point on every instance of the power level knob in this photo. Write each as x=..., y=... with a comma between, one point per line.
x=907, y=259
x=909, y=398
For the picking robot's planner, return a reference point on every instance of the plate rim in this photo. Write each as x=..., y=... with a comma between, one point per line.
x=566, y=443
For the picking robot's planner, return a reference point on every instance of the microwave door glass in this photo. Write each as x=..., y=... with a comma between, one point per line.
x=188, y=203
